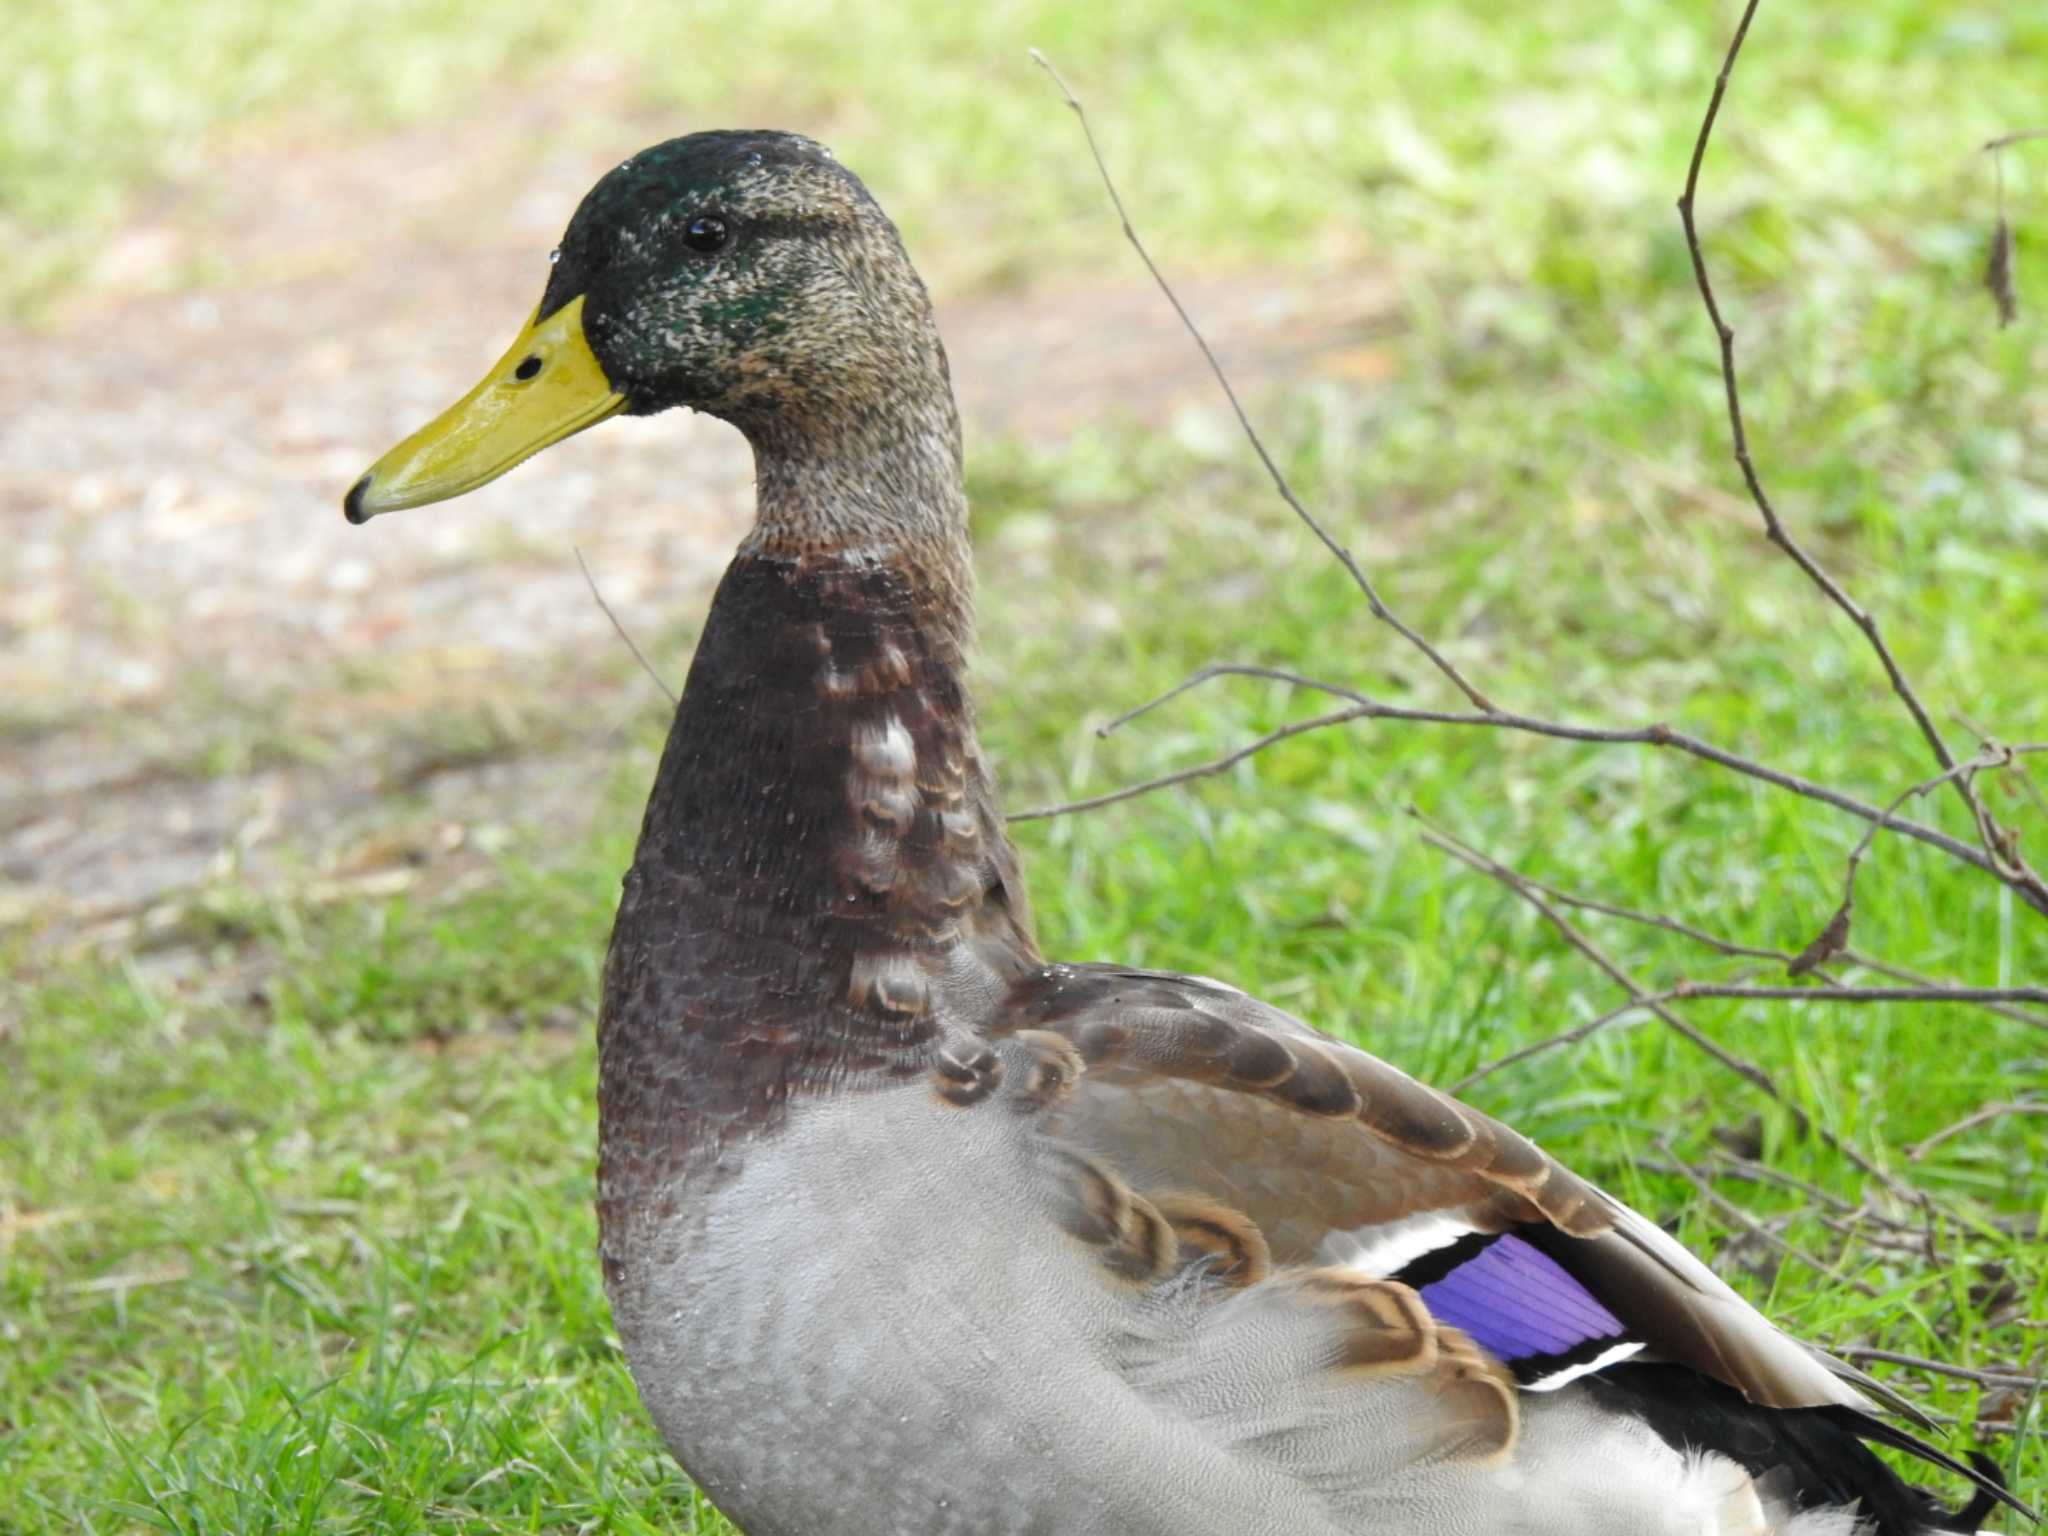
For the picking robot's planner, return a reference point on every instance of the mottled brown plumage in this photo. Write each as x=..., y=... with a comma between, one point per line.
x=820, y=860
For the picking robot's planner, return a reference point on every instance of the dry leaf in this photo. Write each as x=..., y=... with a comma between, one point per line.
x=1832, y=941
x=1998, y=274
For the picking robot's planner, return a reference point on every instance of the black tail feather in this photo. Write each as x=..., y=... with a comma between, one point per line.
x=1818, y=1453
x=1991, y=1493
x=1982, y=1473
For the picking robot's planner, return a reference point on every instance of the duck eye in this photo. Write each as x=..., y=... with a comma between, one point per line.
x=706, y=234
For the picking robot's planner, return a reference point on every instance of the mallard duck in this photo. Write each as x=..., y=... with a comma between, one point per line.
x=906, y=1229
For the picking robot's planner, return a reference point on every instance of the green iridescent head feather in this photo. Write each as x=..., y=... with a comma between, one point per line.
x=745, y=274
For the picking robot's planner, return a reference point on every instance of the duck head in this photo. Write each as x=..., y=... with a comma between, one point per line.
x=745, y=274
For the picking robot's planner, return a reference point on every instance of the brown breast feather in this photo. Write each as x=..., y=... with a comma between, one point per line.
x=821, y=879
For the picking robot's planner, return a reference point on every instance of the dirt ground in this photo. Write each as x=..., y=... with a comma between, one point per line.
x=206, y=675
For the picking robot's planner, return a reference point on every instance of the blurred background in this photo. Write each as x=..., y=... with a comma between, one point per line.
x=309, y=835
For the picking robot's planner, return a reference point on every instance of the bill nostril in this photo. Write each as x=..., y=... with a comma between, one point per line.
x=528, y=367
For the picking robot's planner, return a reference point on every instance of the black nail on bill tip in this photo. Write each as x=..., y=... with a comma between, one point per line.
x=352, y=504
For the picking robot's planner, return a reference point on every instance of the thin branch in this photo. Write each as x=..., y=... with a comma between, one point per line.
x=1971, y=1121
x=1750, y=1224
x=1683, y=990
x=1445, y=842
x=1368, y=708
x=1834, y=936
x=1343, y=556
x=1924, y=987
x=1861, y=961
x=2006, y=141
x=2019, y=770
x=1834, y=991
x=1894, y=1237
x=1842, y=994
x=1365, y=708
x=1983, y=1426
x=645, y=665
x=1559, y=1040
x=1202, y=770
x=2006, y=863
x=1998, y=261
x=1763, y=1173
x=1713, y=941
x=1862, y=1356
x=1700, y=936
x=1216, y=669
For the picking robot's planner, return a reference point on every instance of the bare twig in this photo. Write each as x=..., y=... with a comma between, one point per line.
x=1865, y=962
x=2006, y=863
x=1983, y=1425
x=1846, y=994
x=1216, y=669
x=1884, y=818
x=2020, y=775
x=1365, y=708
x=1832, y=992
x=1343, y=556
x=1446, y=842
x=1202, y=770
x=1750, y=1224
x=1932, y=987
x=1559, y=1040
x=1998, y=856
x=1969, y=1122
x=1834, y=938
x=1894, y=1237
x=1841, y=1217
x=1465, y=853
x=1713, y=941
x=1862, y=1356
x=1998, y=264
x=2006, y=141
x=645, y=665
x=1700, y=936
x=1763, y=1173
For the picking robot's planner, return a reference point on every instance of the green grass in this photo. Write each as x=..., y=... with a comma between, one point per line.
x=1510, y=146
x=344, y=1155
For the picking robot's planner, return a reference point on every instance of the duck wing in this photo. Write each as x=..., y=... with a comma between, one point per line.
x=1194, y=1089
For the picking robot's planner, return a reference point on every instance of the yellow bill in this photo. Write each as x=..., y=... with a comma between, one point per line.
x=549, y=385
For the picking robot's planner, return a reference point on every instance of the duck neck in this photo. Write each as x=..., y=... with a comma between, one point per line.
x=822, y=858
x=861, y=479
